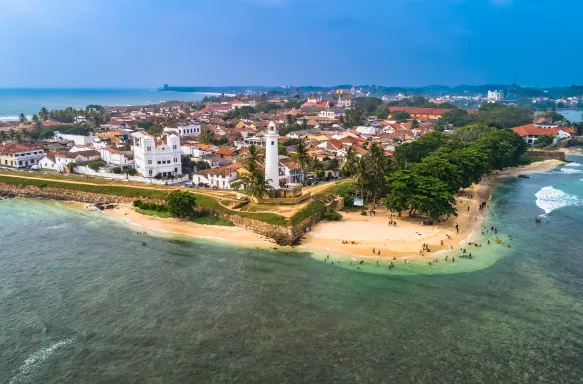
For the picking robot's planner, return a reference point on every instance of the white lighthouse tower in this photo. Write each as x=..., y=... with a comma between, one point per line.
x=271, y=156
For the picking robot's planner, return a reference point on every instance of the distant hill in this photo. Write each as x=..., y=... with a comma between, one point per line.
x=429, y=90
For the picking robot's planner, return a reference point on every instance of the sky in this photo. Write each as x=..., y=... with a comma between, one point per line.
x=147, y=43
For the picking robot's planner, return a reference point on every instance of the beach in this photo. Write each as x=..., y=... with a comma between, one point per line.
x=356, y=235
x=126, y=214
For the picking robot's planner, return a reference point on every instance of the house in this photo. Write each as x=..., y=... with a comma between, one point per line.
x=215, y=161
x=58, y=161
x=530, y=132
x=227, y=153
x=369, y=131
x=189, y=128
x=344, y=101
x=220, y=177
x=155, y=157
x=77, y=139
x=21, y=155
x=114, y=156
x=290, y=171
x=421, y=113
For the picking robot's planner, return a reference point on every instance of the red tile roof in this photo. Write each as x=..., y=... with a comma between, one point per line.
x=423, y=111
x=532, y=130
x=14, y=148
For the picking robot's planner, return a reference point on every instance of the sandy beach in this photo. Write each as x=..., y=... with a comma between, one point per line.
x=230, y=235
x=360, y=233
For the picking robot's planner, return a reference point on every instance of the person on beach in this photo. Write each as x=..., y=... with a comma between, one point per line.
x=379, y=252
x=453, y=259
x=457, y=228
x=373, y=250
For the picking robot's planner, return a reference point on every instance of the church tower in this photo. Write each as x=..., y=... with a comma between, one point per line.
x=271, y=156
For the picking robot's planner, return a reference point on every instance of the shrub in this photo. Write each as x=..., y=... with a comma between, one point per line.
x=363, y=213
x=332, y=215
x=130, y=171
x=95, y=164
x=138, y=203
x=349, y=201
x=181, y=203
x=116, y=170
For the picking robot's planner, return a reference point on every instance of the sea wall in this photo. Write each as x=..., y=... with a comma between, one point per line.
x=33, y=192
x=546, y=155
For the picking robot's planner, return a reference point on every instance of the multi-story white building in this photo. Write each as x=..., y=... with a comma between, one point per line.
x=155, y=157
x=189, y=128
x=494, y=96
x=77, y=139
x=20, y=155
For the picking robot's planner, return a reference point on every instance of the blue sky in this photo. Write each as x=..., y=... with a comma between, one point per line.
x=146, y=43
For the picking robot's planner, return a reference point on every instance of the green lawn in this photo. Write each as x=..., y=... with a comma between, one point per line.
x=527, y=160
x=114, y=190
x=309, y=210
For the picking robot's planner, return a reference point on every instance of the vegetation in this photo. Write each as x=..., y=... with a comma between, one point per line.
x=332, y=215
x=181, y=203
x=400, y=116
x=211, y=220
x=544, y=141
x=265, y=107
x=309, y=210
x=95, y=164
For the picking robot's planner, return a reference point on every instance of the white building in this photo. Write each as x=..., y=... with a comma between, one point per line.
x=344, y=102
x=20, y=155
x=156, y=157
x=494, y=96
x=113, y=156
x=77, y=139
x=189, y=128
x=271, y=156
x=220, y=178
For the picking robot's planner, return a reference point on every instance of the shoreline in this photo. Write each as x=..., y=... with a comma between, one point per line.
x=405, y=241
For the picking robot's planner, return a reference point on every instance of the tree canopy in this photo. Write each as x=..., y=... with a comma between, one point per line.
x=181, y=204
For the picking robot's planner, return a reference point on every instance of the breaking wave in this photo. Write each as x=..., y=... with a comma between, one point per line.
x=573, y=164
x=36, y=359
x=571, y=170
x=549, y=199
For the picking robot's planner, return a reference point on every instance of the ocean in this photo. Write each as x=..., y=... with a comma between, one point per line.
x=83, y=301
x=13, y=102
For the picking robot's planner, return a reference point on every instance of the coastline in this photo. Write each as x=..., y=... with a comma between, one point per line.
x=405, y=241
x=125, y=214
x=402, y=242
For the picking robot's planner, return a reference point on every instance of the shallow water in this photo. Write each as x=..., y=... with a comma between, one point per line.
x=83, y=301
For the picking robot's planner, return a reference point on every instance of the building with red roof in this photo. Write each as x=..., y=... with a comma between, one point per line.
x=530, y=132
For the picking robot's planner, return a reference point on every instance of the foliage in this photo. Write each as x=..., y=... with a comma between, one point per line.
x=95, y=164
x=239, y=113
x=415, y=151
x=332, y=215
x=355, y=115
x=544, y=141
x=369, y=104
x=400, y=116
x=265, y=107
x=293, y=103
x=181, y=203
x=471, y=132
x=206, y=137
x=150, y=206
x=440, y=168
x=456, y=117
x=382, y=112
x=48, y=132
x=130, y=171
x=501, y=116
x=211, y=220
x=309, y=210
x=116, y=170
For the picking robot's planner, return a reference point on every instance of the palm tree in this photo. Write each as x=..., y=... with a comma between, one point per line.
x=44, y=113
x=12, y=134
x=301, y=155
x=207, y=137
x=22, y=118
x=34, y=118
x=24, y=133
x=3, y=137
x=256, y=185
x=378, y=167
x=18, y=137
x=362, y=176
x=251, y=158
x=351, y=162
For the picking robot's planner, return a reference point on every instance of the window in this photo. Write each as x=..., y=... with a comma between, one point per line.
x=174, y=147
x=149, y=149
x=159, y=162
x=273, y=142
x=149, y=161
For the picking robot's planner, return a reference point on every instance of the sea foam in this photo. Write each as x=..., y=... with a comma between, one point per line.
x=573, y=164
x=36, y=359
x=571, y=170
x=549, y=199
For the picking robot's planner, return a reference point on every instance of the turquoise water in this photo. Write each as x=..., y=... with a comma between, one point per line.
x=83, y=301
x=29, y=101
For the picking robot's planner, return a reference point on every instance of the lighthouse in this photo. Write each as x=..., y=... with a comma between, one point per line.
x=271, y=156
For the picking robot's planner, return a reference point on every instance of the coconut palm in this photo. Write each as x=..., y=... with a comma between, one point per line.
x=362, y=176
x=351, y=162
x=44, y=113
x=378, y=168
x=301, y=155
x=3, y=137
x=12, y=134
x=24, y=133
x=207, y=137
x=22, y=118
x=251, y=158
x=256, y=185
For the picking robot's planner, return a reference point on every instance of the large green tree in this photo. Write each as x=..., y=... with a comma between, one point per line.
x=440, y=168
x=181, y=203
